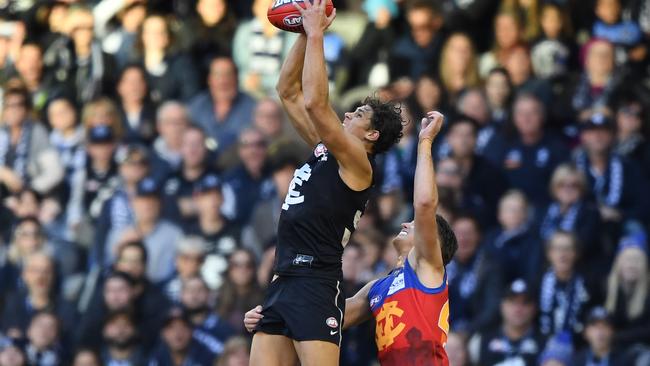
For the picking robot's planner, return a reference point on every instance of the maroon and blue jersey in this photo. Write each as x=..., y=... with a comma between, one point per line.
x=411, y=320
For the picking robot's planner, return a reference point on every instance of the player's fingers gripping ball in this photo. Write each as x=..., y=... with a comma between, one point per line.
x=284, y=15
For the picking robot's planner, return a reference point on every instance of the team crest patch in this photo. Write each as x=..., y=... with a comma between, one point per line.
x=320, y=150
x=331, y=322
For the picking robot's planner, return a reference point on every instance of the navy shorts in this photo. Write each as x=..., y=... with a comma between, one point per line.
x=304, y=309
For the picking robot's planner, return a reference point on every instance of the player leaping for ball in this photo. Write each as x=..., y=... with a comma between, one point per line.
x=303, y=309
x=410, y=306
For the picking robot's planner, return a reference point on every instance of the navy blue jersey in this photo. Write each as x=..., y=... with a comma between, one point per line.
x=319, y=214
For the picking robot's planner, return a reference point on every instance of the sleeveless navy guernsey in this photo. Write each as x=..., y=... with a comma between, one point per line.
x=319, y=214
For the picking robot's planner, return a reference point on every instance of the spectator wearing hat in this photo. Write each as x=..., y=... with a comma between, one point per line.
x=613, y=182
x=249, y=180
x=178, y=188
x=514, y=245
x=516, y=340
x=528, y=153
x=177, y=345
x=121, y=342
x=190, y=255
x=599, y=333
x=558, y=351
x=475, y=282
x=564, y=295
x=44, y=346
x=26, y=157
x=220, y=235
x=627, y=299
x=209, y=328
x=223, y=110
x=159, y=236
x=94, y=184
x=117, y=213
x=172, y=119
x=263, y=225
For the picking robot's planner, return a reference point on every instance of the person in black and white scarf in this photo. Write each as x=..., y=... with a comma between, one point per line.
x=614, y=183
x=563, y=295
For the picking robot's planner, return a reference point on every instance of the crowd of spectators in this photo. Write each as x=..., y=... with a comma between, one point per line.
x=144, y=158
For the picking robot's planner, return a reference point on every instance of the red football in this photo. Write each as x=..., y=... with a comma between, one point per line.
x=284, y=15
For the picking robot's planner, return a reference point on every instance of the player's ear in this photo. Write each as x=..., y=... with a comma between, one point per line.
x=372, y=135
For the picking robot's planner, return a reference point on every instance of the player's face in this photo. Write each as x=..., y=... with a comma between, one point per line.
x=359, y=124
x=403, y=242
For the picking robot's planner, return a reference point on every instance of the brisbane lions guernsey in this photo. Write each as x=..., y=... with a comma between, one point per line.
x=319, y=214
x=411, y=320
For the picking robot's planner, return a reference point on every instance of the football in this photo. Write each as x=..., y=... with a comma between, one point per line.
x=284, y=15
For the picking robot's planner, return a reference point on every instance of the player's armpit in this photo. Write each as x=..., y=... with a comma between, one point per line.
x=357, y=307
x=349, y=151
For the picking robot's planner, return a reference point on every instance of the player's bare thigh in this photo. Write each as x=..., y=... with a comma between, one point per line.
x=317, y=353
x=272, y=350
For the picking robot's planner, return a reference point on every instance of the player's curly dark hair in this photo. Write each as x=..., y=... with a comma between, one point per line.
x=448, y=243
x=387, y=119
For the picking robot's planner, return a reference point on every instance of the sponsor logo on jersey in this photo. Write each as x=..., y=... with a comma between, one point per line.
x=292, y=20
x=332, y=322
x=398, y=284
x=303, y=260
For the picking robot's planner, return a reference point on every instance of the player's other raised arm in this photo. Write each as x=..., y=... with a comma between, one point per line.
x=289, y=89
x=425, y=198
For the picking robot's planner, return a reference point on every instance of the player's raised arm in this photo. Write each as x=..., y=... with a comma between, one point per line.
x=289, y=89
x=348, y=150
x=425, y=197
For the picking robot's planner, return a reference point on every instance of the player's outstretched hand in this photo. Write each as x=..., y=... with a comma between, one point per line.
x=431, y=125
x=252, y=317
x=314, y=19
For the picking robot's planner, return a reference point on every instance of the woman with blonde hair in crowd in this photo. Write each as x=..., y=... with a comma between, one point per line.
x=458, y=65
x=236, y=352
x=570, y=211
x=627, y=292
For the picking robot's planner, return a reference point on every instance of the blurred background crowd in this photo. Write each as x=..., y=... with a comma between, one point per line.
x=144, y=158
